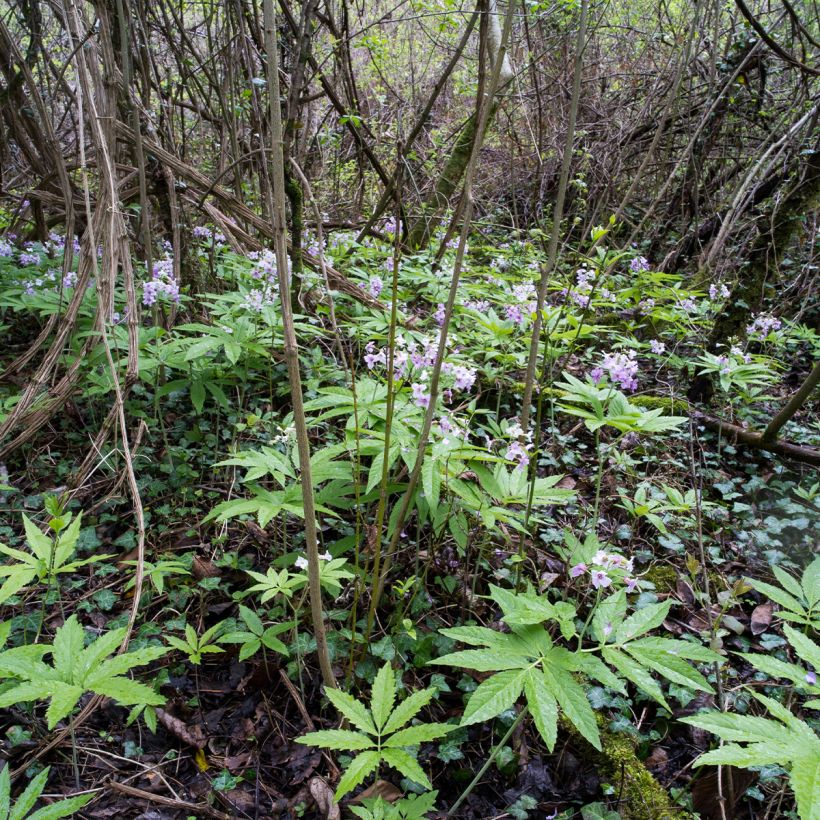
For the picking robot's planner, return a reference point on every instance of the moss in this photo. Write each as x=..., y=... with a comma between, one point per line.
x=640, y=796
x=663, y=576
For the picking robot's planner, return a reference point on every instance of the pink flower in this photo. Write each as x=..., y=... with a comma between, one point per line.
x=420, y=396
x=600, y=579
x=578, y=570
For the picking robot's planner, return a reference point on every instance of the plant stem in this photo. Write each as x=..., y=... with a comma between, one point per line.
x=482, y=771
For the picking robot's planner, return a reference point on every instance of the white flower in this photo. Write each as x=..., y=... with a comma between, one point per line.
x=302, y=562
x=326, y=556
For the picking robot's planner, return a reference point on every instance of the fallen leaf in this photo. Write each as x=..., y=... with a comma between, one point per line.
x=323, y=796
x=762, y=617
x=381, y=788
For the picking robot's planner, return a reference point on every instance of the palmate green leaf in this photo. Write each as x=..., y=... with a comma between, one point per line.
x=40, y=543
x=415, y=735
x=355, y=711
x=775, y=668
x=475, y=635
x=494, y=696
x=408, y=709
x=26, y=662
x=595, y=668
x=572, y=699
x=360, y=767
x=524, y=607
x=608, y=616
x=249, y=649
x=633, y=671
x=341, y=740
x=383, y=695
x=543, y=706
x=25, y=802
x=407, y=765
x=641, y=621
x=21, y=577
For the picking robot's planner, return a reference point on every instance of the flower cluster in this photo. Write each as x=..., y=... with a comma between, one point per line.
x=714, y=291
x=522, y=304
x=604, y=568
x=28, y=258
x=519, y=447
x=658, y=348
x=621, y=368
x=376, y=286
x=639, y=264
x=161, y=283
x=762, y=326
x=6, y=248
x=302, y=562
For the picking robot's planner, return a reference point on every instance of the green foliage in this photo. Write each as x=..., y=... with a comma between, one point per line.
x=413, y=807
x=602, y=406
x=527, y=660
x=194, y=646
x=756, y=741
x=49, y=557
x=75, y=670
x=256, y=636
x=799, y=601
x=383, y=735
x=22, y=807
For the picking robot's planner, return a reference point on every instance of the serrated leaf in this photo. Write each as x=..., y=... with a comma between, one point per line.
x=69, y=641
x=805, y=647
x=641, y=621
x=573, y=700
x=383, y=695
x=755, y=754
x=341, y=740
x=779, y=596
x=414, y=735
x=63, y=808
x=635, y=672
x=680, y=649
x=407, y=709
x=485, y=660
x=494, y=696
x=5, y=791
x=25, y=802
x=811, y=582
x=804, y=778
x=64, y=698
x=595, y=668
x=407, y=765
x=352, y=709
x=788, y=582
x=360, y=767
x=671, y=667
x=128, y=692
x=543, y=707
x=739, y=728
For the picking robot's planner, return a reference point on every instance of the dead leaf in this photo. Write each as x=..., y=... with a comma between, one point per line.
x=192, y=735
x=204, y=568
x=323, y=796
x=761, y=617
x=381, y=788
